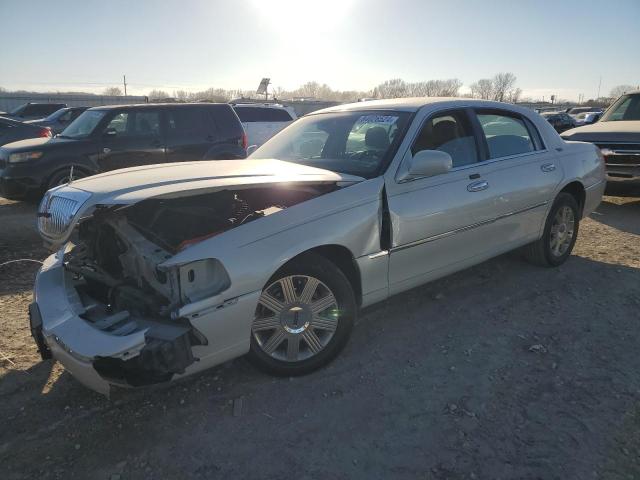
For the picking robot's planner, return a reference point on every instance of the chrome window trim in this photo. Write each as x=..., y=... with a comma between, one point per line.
x=465, y=228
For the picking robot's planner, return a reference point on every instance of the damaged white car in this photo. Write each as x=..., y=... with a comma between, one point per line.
x=166, y=270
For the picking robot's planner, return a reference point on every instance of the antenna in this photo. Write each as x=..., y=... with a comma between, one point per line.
x=70, y=176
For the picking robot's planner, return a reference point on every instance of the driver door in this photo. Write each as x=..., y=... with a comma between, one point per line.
x=132, y=138
x=440, y=223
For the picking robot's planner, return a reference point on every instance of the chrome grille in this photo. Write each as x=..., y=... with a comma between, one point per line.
x=55, y=217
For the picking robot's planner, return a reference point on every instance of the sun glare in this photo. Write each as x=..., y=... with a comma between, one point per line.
x=303, y=15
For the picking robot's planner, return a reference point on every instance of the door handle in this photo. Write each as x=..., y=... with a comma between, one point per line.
x=106, y=150
x=548, y=167
x=478, y=186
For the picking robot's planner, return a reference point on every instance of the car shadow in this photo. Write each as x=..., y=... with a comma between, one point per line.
x=500, y=308
x=623, y=216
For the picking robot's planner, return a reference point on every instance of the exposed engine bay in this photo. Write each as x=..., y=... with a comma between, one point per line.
x=114, y=267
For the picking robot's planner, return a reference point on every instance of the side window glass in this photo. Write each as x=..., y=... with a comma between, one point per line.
x=188, y=122
x=147, y=124
x=449, y=132
x=118, y=123
x=506, y=135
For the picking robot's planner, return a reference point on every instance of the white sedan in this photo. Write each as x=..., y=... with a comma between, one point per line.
x=166, y=270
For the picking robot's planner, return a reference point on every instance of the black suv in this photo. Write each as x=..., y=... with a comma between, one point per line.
x=107, y=138
x=31, y=110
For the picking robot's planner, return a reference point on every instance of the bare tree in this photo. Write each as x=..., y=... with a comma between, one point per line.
x=620, y=90
x=514, y=95
x=503, y=84
x=112, y=92
x=482, y=89
x=394, y=88
x=157, y=94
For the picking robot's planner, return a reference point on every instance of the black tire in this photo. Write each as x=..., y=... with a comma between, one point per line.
x=540, y=252
x=62, y=176
x=317, y=266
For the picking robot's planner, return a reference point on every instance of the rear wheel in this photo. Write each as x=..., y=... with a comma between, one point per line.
x=304, y=317
x=560, y=233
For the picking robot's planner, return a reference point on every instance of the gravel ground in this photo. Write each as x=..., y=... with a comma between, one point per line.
x=503, y=371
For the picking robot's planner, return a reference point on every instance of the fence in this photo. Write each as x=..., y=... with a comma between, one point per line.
x=9, y=101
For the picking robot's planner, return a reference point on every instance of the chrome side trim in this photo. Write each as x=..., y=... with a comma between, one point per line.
x=465, y=228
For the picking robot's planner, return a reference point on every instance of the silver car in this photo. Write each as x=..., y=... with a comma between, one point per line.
x=166, y=270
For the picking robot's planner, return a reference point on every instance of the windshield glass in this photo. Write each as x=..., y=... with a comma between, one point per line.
x=357, y=143
x=16, y=110
x=626, y=108
x=56, y=114
x=83, y=125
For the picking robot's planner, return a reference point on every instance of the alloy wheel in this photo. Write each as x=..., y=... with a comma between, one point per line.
x=562, y=231
x=296, y=318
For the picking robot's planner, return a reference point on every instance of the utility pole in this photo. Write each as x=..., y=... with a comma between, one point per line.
x=599, y=85
x=124, y=82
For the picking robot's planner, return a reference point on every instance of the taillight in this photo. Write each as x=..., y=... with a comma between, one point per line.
x=45, y=132
x=244, y=140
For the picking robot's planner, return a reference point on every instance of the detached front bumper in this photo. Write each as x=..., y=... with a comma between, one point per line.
x=70, y=339
x=59, y=330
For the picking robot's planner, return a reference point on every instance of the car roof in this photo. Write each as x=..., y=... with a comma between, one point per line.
x=416, y=103
x=155, y=105
x=259, y=105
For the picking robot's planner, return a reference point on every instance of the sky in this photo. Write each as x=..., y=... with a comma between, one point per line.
x=561, y=47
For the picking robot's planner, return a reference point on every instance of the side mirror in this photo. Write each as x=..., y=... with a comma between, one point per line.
x=251, y=149
x=110, y=132
x=428, y=163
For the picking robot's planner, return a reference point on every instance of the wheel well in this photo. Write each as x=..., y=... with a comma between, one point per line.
x=576, y=189
x=343, y=259
x=66, y=168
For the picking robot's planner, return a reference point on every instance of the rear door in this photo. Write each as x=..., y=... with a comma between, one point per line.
x=526, y=170
x=131, y=138
x=191, y=133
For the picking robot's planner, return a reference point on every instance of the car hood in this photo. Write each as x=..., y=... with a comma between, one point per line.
x=132, y=185
x=40, y=142
x=618, y=131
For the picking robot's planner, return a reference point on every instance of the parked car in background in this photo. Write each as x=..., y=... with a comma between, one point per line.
x=31, y=110
x=560, y=121
x=617, y=134
x=587, y=118
x=108, y=138
x=12, y=131
x=577, y=110
x=60, y=119
x=178, y=268
x=262, y=121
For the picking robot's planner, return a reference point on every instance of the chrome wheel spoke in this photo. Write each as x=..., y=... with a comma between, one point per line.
x=266, y=323
x=288, y=290
x=309, y=289
x=322, y=304
x=272, y=303
x=312, y=341
x=274, y=341
x=293, y=347
x=324, y=323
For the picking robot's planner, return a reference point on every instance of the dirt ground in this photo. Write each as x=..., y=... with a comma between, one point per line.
x=503, y=371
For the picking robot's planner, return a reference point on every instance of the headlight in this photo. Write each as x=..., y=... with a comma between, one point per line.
x=202, y=279
x=24, y=157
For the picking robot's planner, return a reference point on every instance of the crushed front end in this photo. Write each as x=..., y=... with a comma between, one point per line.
x=107, y=308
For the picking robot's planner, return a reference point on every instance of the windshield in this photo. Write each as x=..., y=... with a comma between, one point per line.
x=626, y=107
x=17, y=109
x=56, y=114
x=83, y=125
x=357, y=143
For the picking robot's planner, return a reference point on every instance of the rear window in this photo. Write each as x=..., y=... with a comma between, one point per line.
x=257, y=114
x=189, y=121
x=506, y=134
x=43, y=110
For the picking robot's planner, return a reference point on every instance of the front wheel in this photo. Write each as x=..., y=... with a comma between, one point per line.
x=63, y=177
x=560, y=233
x=304, y=317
